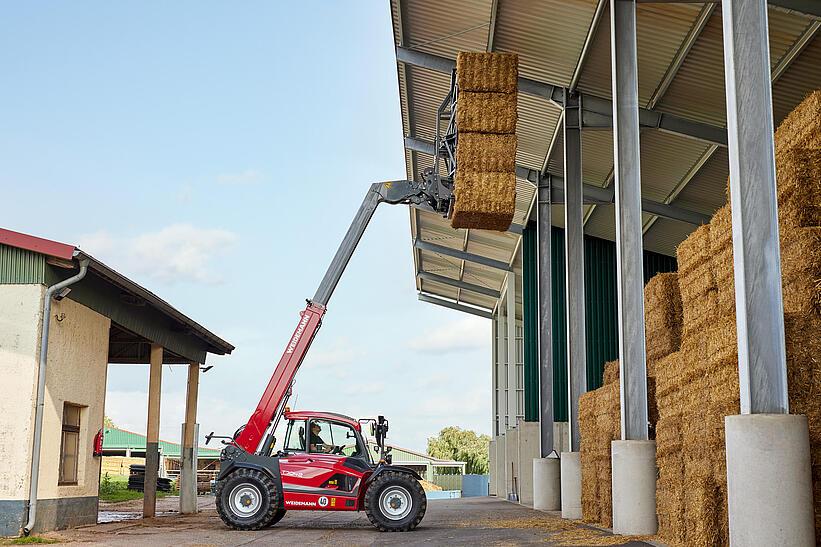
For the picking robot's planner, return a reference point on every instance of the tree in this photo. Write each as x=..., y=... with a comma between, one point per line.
x=454, y=443
x=108, y=423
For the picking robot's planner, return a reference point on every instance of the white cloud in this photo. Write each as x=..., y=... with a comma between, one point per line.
x=249, y=176
x=338, y=358
x=468, y=333
x=176, y=253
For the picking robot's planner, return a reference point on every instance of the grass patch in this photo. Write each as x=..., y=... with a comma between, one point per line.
x=26, y=540
x=115, y=489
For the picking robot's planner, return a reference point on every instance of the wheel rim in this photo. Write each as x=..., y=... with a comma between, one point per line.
x=395, y=502
x=246, y=500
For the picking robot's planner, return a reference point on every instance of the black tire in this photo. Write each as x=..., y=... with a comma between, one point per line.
x=406, y=485
x=256, y=484
x=277, y=517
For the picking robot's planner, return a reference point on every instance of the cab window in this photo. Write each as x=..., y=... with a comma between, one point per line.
x=333, y=438
x=295, y=436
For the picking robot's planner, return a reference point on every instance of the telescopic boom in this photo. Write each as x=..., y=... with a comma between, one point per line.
x=432, y=194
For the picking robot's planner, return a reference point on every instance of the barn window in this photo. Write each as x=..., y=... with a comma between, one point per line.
x=70, y=444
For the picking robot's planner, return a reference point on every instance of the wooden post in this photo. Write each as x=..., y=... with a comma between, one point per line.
x=152, y=448
x=188, y=466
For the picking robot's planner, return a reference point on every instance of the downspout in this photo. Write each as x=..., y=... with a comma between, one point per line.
x=41, y=392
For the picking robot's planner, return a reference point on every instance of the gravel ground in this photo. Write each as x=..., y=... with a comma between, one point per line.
x=466, y=521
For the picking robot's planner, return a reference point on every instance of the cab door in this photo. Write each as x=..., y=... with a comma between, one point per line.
x=316, y=470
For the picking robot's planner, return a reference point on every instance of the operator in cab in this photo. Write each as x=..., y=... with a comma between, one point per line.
x=316, y=442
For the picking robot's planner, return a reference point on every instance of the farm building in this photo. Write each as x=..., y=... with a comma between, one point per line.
x=65, y=318
x=635, y=126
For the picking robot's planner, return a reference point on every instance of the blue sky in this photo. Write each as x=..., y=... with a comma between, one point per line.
x=216, y=152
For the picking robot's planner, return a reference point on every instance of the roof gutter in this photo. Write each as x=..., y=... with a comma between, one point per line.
x=51, y=292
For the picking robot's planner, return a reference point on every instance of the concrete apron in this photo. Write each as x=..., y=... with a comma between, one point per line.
x=547, y=487
x=769, y=480
x=571, y=485
x=634, y=487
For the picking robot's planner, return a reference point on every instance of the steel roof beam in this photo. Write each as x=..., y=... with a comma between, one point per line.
x=592, y=194
x=459, y=284
x=805, y=7
x=481, y=312
x=461, y=255
x=598, y=111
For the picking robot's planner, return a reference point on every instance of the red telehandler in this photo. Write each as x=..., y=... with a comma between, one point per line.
x=324, y=463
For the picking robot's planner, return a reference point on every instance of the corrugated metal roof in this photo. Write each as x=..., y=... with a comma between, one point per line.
x=121, y=439
x=549, y=37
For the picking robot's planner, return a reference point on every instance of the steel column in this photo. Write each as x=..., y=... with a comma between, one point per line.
x=511, y=350
x=494, y=372
x=756, y=253
x=629, y=258
x=574, y=262
x=545, y=285
x=501, y=352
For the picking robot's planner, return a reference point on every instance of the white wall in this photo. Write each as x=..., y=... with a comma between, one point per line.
x=76, y=373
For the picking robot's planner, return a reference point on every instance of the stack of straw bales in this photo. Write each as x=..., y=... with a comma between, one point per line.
x=698, y=385
x=486, y=115
x=599, y=410
x=599, y=425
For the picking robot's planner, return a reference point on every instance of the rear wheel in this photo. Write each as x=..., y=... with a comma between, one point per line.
x=395, y=502
x=248, y=500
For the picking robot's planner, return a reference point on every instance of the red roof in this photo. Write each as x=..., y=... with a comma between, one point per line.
x=36, y=244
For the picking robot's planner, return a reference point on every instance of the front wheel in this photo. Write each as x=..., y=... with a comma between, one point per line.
x=395, y=502
x=248, y=500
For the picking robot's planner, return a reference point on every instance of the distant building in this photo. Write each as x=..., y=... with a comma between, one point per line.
x=121, y=448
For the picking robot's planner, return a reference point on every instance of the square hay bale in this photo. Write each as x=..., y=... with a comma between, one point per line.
x=605, y=481
x=801, y=270
x=486, y=112
x=488, y=72
x=668, y=372
x=611, y=372
x=670, y=500
x=802, y=127
x=699, y=313
x=703, y=506
x=668, y=437
x=799, y=187
x=485, y=153
x=693, y=251
x=663, y=316
x=484, y=201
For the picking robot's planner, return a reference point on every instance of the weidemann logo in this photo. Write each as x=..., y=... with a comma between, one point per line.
x=298, y=334
x=303, y=503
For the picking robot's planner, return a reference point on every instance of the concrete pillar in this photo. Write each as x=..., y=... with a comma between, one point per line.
x=188, y=464
x=501, y=474
x=634, y=487
x=545, y=291
x=571, y=481
x=492, y=486
x=769, y=480
x=511, y=464
x=152, y=438
x=528, y=450
x=547, y=487
x=574, y=261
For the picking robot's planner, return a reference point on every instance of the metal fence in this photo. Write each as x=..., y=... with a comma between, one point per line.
x=448, y=482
